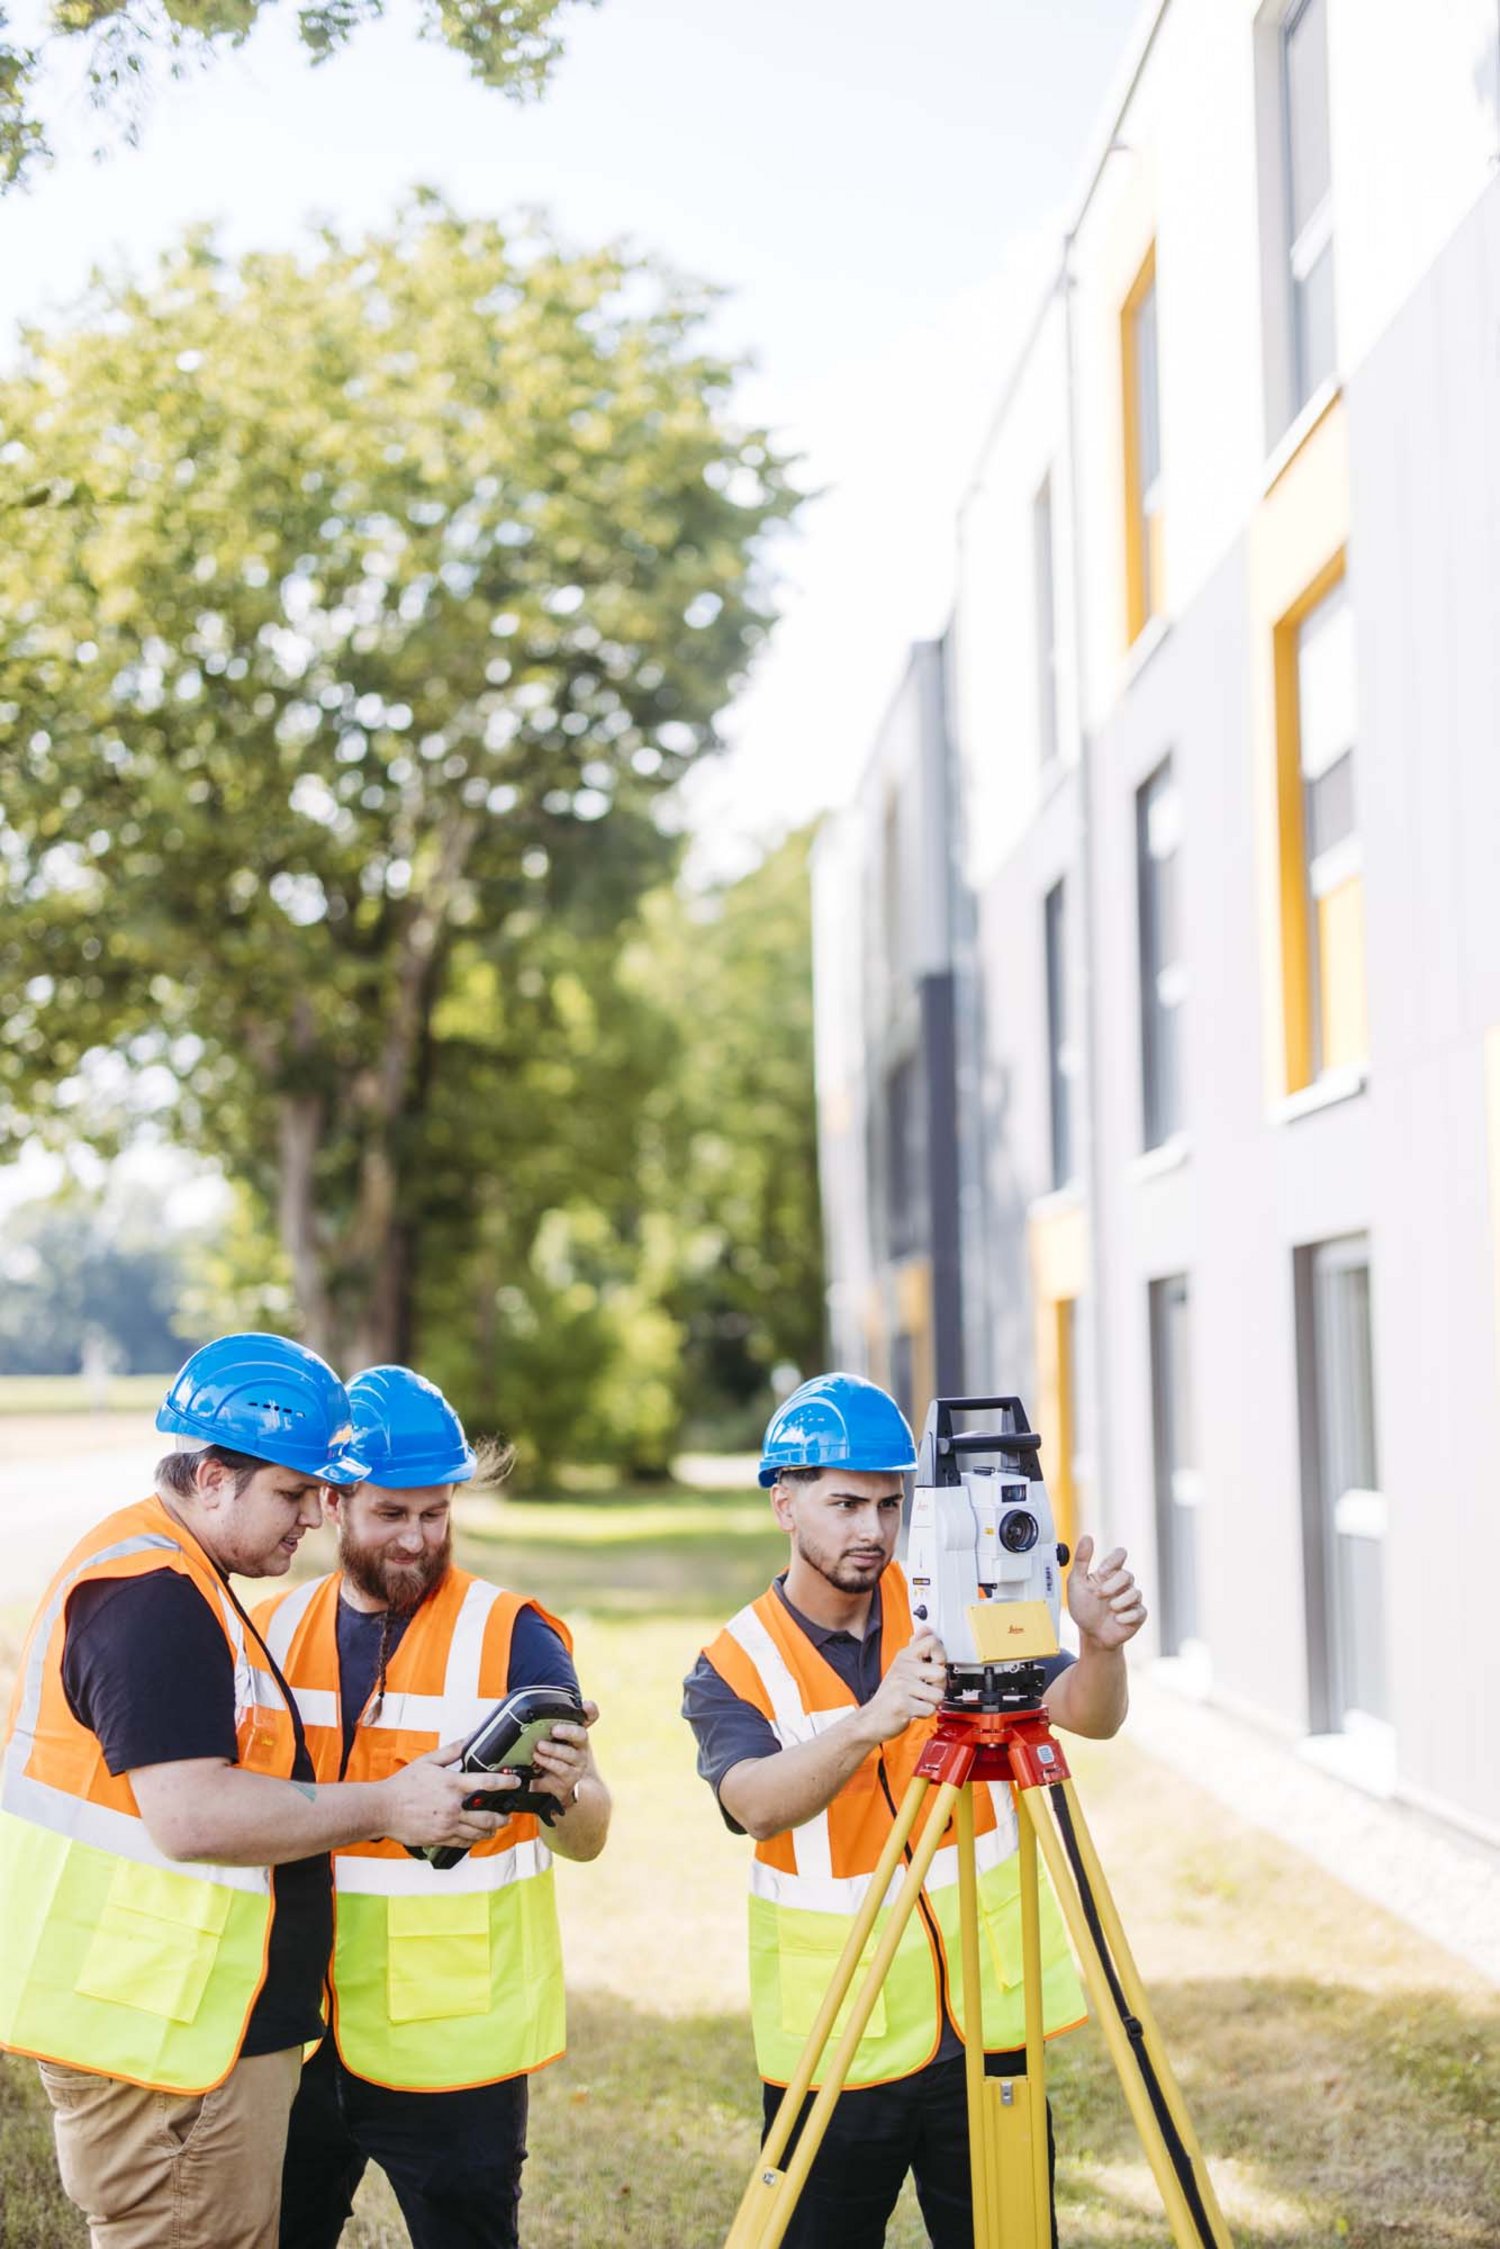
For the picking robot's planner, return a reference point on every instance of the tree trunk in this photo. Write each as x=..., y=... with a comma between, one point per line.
x=381, y=1238
x=300, y=1133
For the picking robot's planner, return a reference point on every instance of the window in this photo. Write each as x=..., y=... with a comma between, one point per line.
x=1344, y=1513
x=1067, y=1470
x=1158, y=834
x=1323, y=884
x=1046, y=623
x=1059, y=1054
x=1143, y=482
x=1178, y=1485
x=1308, y=196
x=904, y=1198
x=893, y=889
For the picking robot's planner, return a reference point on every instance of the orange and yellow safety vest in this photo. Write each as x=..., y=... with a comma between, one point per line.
x=113, y=1957
x=807, y=1884
x=440, y=1980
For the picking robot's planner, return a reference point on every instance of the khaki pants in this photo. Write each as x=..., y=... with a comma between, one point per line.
x=173, y=2170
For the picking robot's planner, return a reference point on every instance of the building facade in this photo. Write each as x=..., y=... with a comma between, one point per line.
x=1222, y=697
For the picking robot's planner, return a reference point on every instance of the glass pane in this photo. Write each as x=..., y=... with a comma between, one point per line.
x=1312, y=312
x=1041, y=534
x=904, y=1154
x=1306, y=42
x=1329, y=807
x=1176, y=1523
x=1147, y=410
x=1360, y=1593
x=1157, y=831
x=1057, y=1033
x=1325, y=682
x=1347, y=1462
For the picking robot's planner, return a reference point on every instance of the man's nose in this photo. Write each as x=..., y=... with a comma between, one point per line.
x=310, y=1512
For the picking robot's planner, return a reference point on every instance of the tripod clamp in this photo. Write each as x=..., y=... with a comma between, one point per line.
x=994, y=1745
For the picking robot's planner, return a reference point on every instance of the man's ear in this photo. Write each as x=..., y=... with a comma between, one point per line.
x=781, y=1504
x=213, y=1481
x=333, y=1497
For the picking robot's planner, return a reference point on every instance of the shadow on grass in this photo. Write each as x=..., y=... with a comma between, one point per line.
x=1333, y=2119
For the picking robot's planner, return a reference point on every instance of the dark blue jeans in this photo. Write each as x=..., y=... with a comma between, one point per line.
x=878, y=2133
x=453, y=2159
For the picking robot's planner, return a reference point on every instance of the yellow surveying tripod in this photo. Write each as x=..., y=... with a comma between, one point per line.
x=1007, y=2116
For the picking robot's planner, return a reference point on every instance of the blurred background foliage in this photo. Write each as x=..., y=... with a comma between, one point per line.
x=126, y=48
x=358, y=613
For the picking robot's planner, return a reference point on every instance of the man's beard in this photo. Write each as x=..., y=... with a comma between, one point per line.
x=402, y=1586
x=839, y=1570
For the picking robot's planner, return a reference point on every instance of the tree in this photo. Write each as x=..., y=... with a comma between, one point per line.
x=736, y=1130
x=511, y=44
x=355, y=613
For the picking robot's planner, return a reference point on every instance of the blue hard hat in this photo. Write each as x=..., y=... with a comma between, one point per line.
x=407, y=1431
x=837, y=1421
x=268, y=1397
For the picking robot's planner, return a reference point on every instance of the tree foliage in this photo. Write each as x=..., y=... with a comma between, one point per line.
x=355, y=613
x=738, y=1132
x=128, y=44
x=645, y=1244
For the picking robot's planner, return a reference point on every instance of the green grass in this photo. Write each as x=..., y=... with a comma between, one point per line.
x=73, y=1393
x=1343, y=2074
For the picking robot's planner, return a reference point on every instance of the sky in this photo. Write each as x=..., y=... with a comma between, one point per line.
x=879, y=188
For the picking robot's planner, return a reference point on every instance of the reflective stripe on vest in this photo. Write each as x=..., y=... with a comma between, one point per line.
x=806, y=1885
x=113, y=1957
x=440, y=1980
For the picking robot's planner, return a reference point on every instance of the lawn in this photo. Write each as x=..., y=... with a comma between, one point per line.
x=1343, y=2075
x=74, y=1393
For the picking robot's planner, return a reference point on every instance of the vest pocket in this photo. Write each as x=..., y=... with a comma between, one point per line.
x=806, y=1957
x=438, y=1956
x=155, y=1942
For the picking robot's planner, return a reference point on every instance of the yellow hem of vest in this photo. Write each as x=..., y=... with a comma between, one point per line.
x=172, y=2092
x=868, y=2084
x=471, y=2085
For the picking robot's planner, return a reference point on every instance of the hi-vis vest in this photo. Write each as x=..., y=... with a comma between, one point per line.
x=114, y=1957
x=806, y=1884
x=440, y=1980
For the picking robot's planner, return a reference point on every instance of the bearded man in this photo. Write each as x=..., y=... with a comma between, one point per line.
x=446, y=1987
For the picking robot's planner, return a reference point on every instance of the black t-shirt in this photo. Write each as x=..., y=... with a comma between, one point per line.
x=538, y=1658
x=146, y=1667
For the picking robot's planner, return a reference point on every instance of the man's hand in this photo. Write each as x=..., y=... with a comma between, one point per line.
x=912, y=1688
x=563, y=1766
x=424, y=1802
x=561, y=1761
x=1104, y=1602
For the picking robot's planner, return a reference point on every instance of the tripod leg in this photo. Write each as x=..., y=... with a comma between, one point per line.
x=766, y=2209
x=983, y=2183
x=1187, y=2230
x=1036, y=2045
x=843, y=1975
x=1140, y=2006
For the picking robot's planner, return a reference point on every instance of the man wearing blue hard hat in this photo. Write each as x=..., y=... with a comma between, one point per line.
x=446, y=1985
x=811, y=1709
x=165, y=1890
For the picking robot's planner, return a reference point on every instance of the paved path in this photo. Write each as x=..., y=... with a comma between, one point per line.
x=55, y=1481
x=1430, y=1875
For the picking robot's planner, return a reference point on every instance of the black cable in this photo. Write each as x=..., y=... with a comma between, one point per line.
x=1182, y=2162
